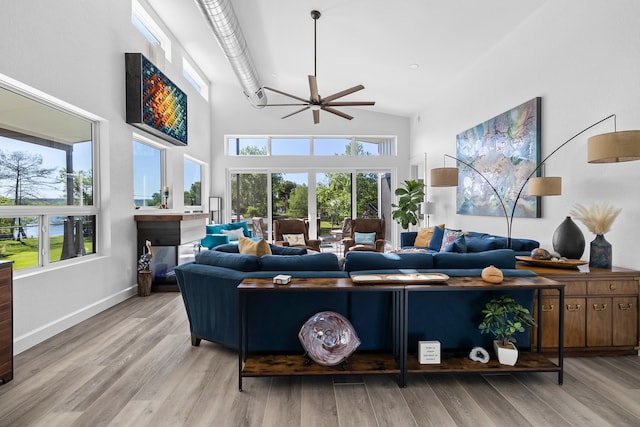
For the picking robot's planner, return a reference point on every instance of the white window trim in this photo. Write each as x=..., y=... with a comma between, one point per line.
x=203, y=180
x=190, y=72
x=145, y=19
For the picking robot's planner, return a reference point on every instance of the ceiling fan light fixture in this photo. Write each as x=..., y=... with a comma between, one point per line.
x=315, y=107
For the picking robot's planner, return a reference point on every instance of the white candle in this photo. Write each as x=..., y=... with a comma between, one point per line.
x=165, y=189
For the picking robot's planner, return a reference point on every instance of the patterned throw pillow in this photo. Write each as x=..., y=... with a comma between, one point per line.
x=448, y=238
x=368, y=239
x=294, y=239
x=253, y=247
x=234, y=234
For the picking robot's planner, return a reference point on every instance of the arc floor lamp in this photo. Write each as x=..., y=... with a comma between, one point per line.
x=610, y=147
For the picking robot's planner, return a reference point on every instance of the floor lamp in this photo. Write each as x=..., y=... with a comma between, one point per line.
x=604, y=148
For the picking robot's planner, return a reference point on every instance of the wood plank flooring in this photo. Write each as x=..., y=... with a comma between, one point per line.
x=133, y=365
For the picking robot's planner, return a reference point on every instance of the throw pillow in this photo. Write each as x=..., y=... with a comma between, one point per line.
x=424, y=236
x=252, y=247
x=436, y=239
x=294, y=239
x=448, y=237
x=233, y=234
x=459, y=245
x=368, y=239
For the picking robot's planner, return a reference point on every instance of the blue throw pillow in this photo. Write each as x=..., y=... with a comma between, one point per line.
x=368, y=239
x=459, y=245
x=240, y=262
x=482, y=244
x=287, y=250
x=436, y=239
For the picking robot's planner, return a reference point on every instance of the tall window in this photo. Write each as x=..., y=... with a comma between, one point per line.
x=148, y=160
x=192, y=185
x=195, y=79
x=47, y=209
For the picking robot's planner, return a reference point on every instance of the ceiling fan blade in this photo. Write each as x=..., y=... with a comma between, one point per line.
x=287, y=94
x=349, y=103
x=316, y=117
x=336, y=112
x=296, y=112
x=342, y=93
x=313, y=89
x=285, y=105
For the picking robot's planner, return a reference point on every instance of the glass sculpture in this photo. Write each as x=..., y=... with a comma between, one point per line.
x=328, y=338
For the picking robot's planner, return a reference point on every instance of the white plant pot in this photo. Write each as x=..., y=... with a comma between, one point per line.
x=506, y=356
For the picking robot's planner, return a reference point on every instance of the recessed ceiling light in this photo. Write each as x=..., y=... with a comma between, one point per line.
x=414, y=66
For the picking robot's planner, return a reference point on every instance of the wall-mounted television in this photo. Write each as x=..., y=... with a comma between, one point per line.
x=154, y=103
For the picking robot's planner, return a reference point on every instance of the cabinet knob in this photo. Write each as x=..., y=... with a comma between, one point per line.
x=575, y=307
x=625, y=306
x=546, y=307
x=599, y=307
x=612, y=286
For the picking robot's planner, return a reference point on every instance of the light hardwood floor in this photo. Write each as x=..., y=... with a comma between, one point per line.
x=133, y=365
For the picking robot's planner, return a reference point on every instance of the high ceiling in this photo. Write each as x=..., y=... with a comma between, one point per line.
x=368, y=42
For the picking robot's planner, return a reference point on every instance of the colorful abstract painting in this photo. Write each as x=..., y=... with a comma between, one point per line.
x=505, y=150
x=154, y=103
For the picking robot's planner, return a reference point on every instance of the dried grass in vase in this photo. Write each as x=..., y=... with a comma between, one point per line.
x=598, y=218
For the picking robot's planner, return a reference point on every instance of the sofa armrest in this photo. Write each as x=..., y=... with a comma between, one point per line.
x=379, y=245
x=281, y=243
x=315, y=244
x=213, y=240
x=348, y=242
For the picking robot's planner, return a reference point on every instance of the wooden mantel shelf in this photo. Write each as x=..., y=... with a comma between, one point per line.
x=170, y=216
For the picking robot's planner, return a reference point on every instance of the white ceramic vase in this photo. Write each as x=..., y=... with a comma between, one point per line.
x=506, y=356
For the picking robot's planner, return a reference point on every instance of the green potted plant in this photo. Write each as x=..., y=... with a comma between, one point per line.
x=406, y=211
x=503, y=317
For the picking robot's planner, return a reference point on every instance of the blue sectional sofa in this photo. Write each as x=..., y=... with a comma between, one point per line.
x=472, y=241
x=208, y=287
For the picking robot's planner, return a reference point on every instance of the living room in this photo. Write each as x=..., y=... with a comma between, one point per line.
x=582, y=60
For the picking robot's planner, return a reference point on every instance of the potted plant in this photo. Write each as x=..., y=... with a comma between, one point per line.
x=406, y=211
x=503, y=317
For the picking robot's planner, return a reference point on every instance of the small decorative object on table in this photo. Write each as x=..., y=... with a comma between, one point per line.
x=479, y=354
x=328, y=338
x=145, y=276
x=492, y=274
x=598, y=219
x=282, y=279
x=503, y=317
x=165, y=197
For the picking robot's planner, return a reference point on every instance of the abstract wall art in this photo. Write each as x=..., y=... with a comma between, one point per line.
x=154, y=103
x=505, y=150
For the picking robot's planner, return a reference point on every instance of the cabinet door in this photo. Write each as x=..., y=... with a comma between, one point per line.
x=574, y=322
x=599, y=322
x=625, y=320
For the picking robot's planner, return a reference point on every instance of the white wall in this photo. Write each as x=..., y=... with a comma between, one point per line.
x=73, y=50
x=583, y=59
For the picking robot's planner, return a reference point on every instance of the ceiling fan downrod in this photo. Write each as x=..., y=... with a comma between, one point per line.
x=315, y=15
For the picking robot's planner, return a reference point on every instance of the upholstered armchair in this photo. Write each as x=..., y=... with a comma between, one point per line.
x=294, y=232
x=367, y=234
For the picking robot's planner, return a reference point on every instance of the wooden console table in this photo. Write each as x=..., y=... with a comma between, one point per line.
x=276, y=365
x=600, y=310
x=398, y=362
x=168, y=229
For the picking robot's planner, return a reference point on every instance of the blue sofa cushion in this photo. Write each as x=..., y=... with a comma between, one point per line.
x=213, y=240
x=240, y=262
x=482, y=244
x=524, y=245
x=275, y=249
x=217, y=228
x=309, y=262
x=501, y=258
x=360, y=260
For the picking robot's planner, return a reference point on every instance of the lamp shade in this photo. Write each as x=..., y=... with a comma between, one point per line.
x=545, y=186
x=614, y=147
x=444, y=177
x=427, y=208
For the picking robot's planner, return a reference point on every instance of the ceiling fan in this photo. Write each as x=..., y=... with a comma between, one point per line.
x=315, y=102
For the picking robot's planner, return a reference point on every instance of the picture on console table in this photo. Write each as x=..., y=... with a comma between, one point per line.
x=154, y=103
x=505, y=150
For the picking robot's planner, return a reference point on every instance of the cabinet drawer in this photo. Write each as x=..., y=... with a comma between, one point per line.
x=571, y=288
x=612, y=287
x=625, y=320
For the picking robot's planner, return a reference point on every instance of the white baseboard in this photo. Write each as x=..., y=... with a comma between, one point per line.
x=44, y=332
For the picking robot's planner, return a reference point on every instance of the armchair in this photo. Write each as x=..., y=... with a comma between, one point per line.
x=219, y=234
x=361, y=238
x=297, y=232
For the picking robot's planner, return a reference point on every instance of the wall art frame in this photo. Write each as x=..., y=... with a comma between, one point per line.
x=505, y=150
x=154, y=103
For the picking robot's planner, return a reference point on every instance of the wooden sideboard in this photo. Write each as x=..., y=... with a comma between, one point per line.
x=600, y=310
x=168, y=230
x=6, y=321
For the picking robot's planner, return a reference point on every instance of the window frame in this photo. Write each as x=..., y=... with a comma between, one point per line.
x=136, y=137
x=140, y=13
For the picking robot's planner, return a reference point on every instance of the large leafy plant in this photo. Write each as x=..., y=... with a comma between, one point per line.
x=503, y=317
x=411, y=195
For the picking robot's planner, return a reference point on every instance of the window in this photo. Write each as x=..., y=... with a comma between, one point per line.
x=148, y=160
x=141, y=19
x=47, y=209
x=192, y=185
x=195, y=79
x=311, y=146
